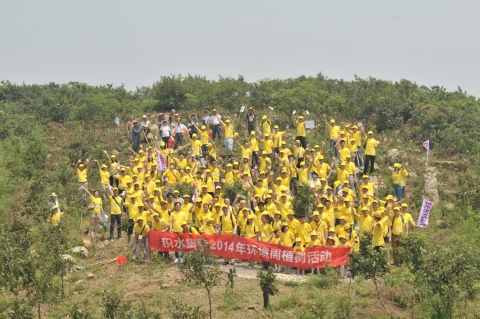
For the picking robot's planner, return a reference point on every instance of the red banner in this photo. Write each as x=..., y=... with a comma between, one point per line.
x=243, y=248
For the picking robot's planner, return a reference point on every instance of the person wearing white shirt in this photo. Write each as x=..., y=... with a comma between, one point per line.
x=180, y=128
x=215, y=122
x=145, y=124
x=205, y=118
x=165, y=131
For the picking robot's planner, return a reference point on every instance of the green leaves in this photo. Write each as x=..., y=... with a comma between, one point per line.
x=268, y=281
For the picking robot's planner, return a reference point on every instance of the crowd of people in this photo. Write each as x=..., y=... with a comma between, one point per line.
x=142, y=191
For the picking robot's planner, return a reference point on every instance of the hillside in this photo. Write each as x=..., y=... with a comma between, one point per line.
x=45, y=129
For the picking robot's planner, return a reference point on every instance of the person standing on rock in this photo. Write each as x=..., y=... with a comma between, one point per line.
x=403, y=179
x=371, y=145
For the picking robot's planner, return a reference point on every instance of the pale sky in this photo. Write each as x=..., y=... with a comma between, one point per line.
x=430, y=42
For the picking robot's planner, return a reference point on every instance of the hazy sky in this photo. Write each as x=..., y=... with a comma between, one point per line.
x=430, y=42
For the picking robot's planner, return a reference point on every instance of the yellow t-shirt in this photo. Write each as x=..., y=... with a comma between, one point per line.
x=397, y=225
x=334, y=131
x=301, y=128
x=277, y=138
x=254, y=144
x=177, y=218
x=160, y=226
x=366, y=223
x=207, y=230
x=371, y=146
x=97, y=201
x=377, y=239
x=141, y=231
x=204, y=137
x=265, y=231
x=115, y=205
x=196, y=147
x=322, y=169
x=342, y=175
x=55, y=219
x=228, y=131
x=104, y=177
x=226, y=223
x=132, y=209
x=250, y=231
x=303, y=231
x=396, y=177
x=276, y=240
x=268, y=146
x=266, y=127
x=82, y=175
x=287, y=238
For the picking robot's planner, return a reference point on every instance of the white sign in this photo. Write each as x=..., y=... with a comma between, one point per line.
x=294, y=111
x=424, y=213
x=117, y=120
x=242, y=109
x=310, y=124
x=248, y=94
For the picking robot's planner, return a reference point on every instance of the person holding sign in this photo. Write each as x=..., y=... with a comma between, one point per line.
x=398, y=225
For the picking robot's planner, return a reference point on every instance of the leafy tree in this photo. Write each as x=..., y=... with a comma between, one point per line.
x=303, y=201
x=450, y=276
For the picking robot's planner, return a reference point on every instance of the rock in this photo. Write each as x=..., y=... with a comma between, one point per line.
x=430, y=185
x=373, y=179
x=443, y=224
x=376, y=167
x=412, y=174
x=90, y=275
x=385, y=139
x=66, y=257
x=449, y=206
x=165, y=286
x=83, y=251
x=78, y=282
x=403, y=155
x=393, y=153
x=75, y=292
x=104, y=243
x=445, y=162
x=390, y=168
x=115, y=152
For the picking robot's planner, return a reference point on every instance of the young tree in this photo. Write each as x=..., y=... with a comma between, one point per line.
x=195, y=271
x=268, y=284
x=369, y=263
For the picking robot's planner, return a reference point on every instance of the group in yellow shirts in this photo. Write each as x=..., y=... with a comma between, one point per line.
x=148, y=197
